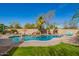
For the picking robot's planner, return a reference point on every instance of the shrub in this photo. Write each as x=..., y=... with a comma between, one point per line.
x=14, y=31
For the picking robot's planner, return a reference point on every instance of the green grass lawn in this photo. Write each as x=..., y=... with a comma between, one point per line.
x=57, y=50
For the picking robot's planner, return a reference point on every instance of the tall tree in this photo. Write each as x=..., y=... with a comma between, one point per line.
x=15, y=25
x=75, y=19
x=66, y=25
x=29, y=26
x=2, y=27
x=40, y=23
x=48, y=18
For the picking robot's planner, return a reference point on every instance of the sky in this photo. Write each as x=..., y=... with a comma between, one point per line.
x=29, y=12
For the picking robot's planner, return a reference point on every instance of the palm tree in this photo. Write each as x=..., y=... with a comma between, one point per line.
x=40, y=23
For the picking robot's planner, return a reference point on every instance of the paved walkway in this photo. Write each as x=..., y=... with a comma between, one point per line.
x=4, y=49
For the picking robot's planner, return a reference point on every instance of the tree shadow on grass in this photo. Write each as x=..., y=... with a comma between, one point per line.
x=11, y=52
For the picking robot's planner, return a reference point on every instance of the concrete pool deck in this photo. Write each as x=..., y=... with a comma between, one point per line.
x=40, y=43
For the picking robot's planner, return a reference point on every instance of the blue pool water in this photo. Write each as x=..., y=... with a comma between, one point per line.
x=69, y=33
x=17, y=39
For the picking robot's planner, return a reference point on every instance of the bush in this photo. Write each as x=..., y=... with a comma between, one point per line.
x=14, y=31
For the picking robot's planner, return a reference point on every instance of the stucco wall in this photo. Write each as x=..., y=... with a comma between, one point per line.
x=60, y=31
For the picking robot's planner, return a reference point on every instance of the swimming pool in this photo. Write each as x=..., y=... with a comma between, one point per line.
x=69, y=33
x=17, y=39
